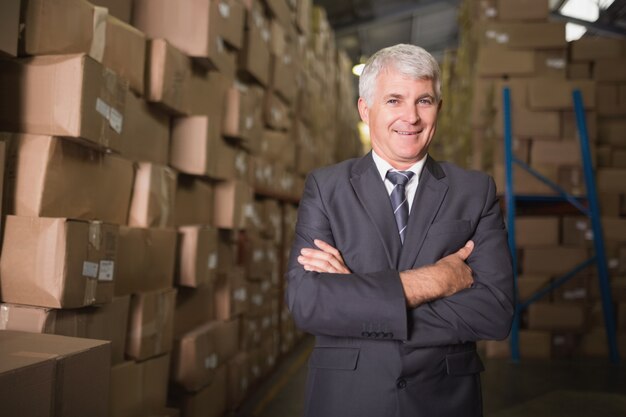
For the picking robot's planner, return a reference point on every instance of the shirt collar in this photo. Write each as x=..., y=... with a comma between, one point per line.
x=383, y=166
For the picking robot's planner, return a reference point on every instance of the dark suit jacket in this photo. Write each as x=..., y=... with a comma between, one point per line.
x=373, y=357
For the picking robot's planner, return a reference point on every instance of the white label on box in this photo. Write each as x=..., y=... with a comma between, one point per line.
x=258, y=255
x=240, y=163
x=224, y=10
x=210, y=362
x=220, y=45
x=249, y=122
x=90, y=269
x=613, y=263
x=103, y=108
x=212, y=261
x=106, y=270
x=116, y=120
x=257, y=299
x=491, y=12
x=240, y=294
x=502, y=38
x=555, y=63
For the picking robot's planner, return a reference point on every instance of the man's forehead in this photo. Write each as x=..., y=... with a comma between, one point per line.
x=390, y=79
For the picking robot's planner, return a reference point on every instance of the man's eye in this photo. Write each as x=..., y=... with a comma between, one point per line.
x=392, y=101
x=426, y=101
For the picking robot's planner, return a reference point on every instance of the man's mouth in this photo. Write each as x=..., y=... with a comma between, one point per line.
x=407, y=132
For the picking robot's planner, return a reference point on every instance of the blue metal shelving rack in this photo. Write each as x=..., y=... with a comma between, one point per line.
x=591, y=209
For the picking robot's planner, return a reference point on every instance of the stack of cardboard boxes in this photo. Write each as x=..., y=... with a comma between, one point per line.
x=521, y=49
x=153, y=163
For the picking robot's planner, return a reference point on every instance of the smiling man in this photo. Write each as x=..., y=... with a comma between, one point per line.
x=400, y=263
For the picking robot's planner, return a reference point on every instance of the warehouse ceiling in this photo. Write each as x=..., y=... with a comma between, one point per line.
x=364, y=26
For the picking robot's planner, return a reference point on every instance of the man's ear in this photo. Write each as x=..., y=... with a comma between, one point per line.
x=364, y=111
x=439, y=105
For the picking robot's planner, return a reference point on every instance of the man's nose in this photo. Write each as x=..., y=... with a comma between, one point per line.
x=411, y=115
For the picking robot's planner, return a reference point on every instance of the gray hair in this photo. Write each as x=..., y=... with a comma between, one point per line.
x=409, y=60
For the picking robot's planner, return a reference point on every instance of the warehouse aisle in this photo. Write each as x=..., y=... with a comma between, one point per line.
x=538, y=388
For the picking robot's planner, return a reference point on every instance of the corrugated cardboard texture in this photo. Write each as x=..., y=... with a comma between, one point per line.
x=193, y=308
x=64, y=95
x=56, y=262
x=233, y=200
x=154, y=196
x=155, y=377
x=231, y=294
x=126, y=390
x=82, y=367
x=208, y=402
x=9, y=27
x=194, y=201
x=198, y=256
x=146, y=132
x=53, y=177
x=125, y=52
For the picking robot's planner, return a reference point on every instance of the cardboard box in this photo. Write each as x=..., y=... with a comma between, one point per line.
x=280, y=11
x=595, y=344
x=119, y=8
x=609, y=102
x=154, y=197
x=197, y=148
x=168, y=77
x=231, y=21
x=151, y=324
x=231, y=294
x=146, y=136
x=536, y=231
x=610, y=69
x=618, y=159
x=611, y=180
x=614, y=228
x=106, y=322
x=209, y=401
x=526, y=183
x=523, y=10
x=276, y=112
x=232, y=204
x=194, y=307
x=125, y=52
x=155, y=376
x=9, y=22
x=551, y=62
x=52, y=262
x=593, y=48
x=254, y=57
x=126, y=389
x=569, y=126
x=576, y=231
x=495, y=61
x=552, y=259
x=555, y=94
x=523, y=35
x=197, y=257
x=80, y=377
x=53, y=177
x=611, y=132
x=198, y=353
x=146, y=259
x=278, y=148
x=239, y=379
x=303, y=16
x=528, y=285
x=563, y=316
x=194, y=201
x=559, y=153
x=242, y=116
x=64, y=95
x=579, y=70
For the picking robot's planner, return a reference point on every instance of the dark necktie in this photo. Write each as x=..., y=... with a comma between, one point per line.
x=398, y=199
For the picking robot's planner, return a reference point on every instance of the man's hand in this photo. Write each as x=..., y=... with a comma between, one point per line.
x=447, y=276
x=325, y=259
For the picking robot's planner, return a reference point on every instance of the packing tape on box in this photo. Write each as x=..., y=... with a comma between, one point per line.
x=4, y=316
x=90, y=291
x=98, y=40
x=95, y=234
x=224, y=9
x=167, y=178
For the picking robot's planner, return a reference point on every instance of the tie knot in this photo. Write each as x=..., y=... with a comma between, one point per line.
x=399, y=177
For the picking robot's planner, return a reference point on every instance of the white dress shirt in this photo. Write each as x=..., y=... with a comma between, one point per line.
x=411, y=187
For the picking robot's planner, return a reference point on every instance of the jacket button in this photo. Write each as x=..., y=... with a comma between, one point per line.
x=401, y=383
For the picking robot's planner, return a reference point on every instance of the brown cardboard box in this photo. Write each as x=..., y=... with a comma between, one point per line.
x=555, y=94
x=197, y=148
x=151, y=324
x=611, y=180
x=526, y=183
x=209, y=401
x=194, y=201
x=231, y=21
x=536, y=231
x=610, y=69
x=521, y=150
x=125, y=52
x=63, y=27
x=530, y=124
x=232, y=204
x=618, y=159
x=496, y=61
x=239, y=379
x=194, y=307
x=552, y=259
x=579, y=70
x=53, y=177
x=303, y=16
x=106, y=322
x=126, y=390
x=64, y=95
x=563, y=316
x=283, y=75
x=242, y=116
x=569, y=126
x=576, y=231
x=254, y=57
x=278, y=148
x=528, y=285
x=523, y=35
x=276, y=112
x=168, y=77
x=595, y=344
x=551, y=62
x=197, y=256
x=119, y=8
x=155, y=377
x=609, y=102
x=9, y=22
x=26, y=383
x=231, y=294
x=611, y=132
x=198, y=353
x=146, y=135
x=614, y=228
x=146, y=259
x=154, y=197
x=67, y=277
x=523, y=9
x=80, y=375
x=592, y=48
x=556, y=152
x=280, y=10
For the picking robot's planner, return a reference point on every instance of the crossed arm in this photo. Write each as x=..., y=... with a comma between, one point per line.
x=447, y=276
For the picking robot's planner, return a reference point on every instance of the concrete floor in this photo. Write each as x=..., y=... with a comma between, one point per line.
x=567, y=388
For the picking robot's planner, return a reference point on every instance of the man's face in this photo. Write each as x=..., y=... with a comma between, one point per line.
x=402, y=117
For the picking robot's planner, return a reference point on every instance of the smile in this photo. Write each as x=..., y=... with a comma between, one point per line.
x=407, y=132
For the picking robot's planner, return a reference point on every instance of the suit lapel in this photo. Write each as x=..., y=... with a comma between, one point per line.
x=372, y=194
x=428, y=198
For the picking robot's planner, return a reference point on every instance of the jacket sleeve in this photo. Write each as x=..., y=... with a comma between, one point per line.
x=346, y=305
x=485, y=310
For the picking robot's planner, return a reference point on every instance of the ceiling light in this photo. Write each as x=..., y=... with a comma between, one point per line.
x=574, y=32
x=581, y=9
x=358, y=69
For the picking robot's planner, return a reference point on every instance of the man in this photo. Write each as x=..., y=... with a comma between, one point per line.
x=400, y=263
